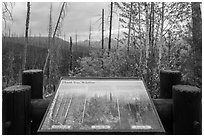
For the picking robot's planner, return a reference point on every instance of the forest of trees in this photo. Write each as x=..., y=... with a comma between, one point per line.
x=159, y=35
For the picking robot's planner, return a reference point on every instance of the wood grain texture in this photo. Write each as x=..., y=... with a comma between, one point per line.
x=16, y=109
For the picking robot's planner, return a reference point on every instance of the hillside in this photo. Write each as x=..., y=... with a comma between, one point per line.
x=12, y=55
x=36, y=41
x=98, y=44
x=42, y=42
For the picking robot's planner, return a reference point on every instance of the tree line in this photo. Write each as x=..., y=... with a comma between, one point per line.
x=159, y=35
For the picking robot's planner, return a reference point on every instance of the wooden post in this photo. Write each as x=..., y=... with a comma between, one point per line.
x=168, y=78
x=16, y=110
x=34, y=78
x=186, y=109
x=165, y=111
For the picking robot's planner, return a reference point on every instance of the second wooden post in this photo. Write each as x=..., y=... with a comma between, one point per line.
x=34, y=78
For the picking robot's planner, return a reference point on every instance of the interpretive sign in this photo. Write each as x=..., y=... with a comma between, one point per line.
x=107, y=105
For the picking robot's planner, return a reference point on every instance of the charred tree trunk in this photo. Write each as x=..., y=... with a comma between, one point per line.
x=71, y=57
x=111, y=16
x=26, y=36
x=129, y=26
x=102, y=29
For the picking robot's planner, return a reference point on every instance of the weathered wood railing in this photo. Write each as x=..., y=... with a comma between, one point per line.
x=179, y=115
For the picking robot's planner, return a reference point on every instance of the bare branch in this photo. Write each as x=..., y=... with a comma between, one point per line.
x=6, y=11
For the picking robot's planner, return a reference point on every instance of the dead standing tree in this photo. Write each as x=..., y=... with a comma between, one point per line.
x=49, y=45
x=26, y=36
x=140, y=35
x=146, y=34
x=102, y=29
x=129, y=26
x=50, y=55
x=71, y=56
x=151, y=59
x=129, y=34
x=160, y=46
x=111, y=16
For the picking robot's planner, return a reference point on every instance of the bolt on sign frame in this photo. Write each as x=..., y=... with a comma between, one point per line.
x=101, y=106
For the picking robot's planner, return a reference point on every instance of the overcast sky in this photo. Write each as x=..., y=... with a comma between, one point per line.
x=78, y=18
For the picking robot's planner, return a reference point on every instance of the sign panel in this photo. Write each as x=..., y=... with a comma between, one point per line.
x=92, y=105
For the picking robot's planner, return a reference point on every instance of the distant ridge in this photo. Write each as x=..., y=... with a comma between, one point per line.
x=41, y=42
